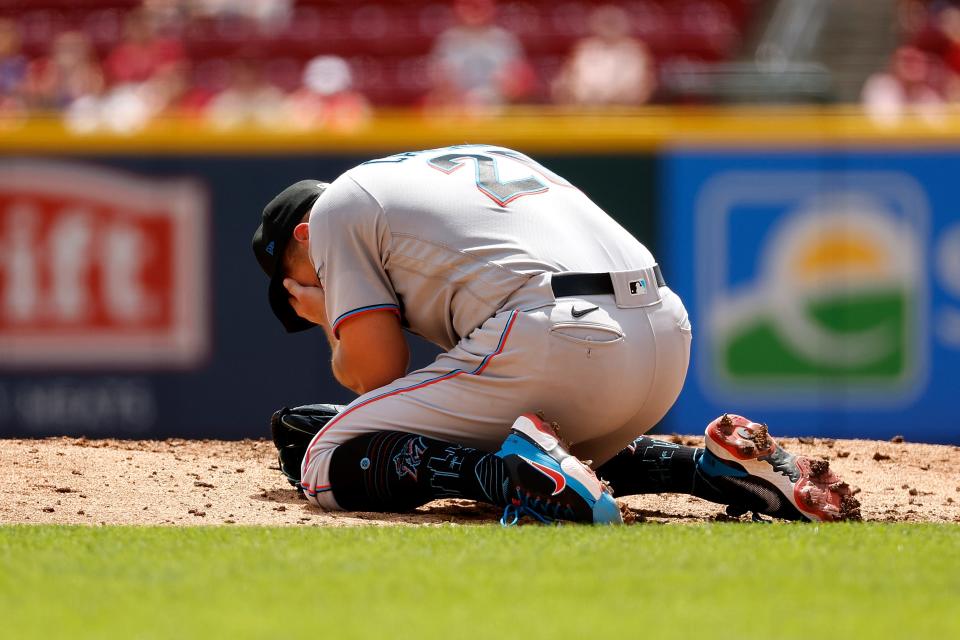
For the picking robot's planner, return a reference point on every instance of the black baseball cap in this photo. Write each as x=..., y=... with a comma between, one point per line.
x=280, y=217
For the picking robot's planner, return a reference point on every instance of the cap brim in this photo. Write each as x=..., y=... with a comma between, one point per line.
x=280, y=303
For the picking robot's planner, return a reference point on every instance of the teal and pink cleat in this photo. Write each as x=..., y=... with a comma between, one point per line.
x=547, y=482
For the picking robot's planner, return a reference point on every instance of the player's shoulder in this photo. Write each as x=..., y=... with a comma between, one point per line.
x=345, y=197
x=378, y=181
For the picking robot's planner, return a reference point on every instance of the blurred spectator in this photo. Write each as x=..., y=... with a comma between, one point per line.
x=68, y=73
x=922, y=28
x=128, y=107
x=13, y=70
x=908, y=87
x=167, y=16
x=248, y=99
x=608, y=68
x=326, y=99
x=141, y=52
x=146, y=73
x=171, y=93
x=949, y=23
x=477, y=63
x=270, y=15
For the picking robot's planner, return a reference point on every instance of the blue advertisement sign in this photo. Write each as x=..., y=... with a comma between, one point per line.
x=823, y=286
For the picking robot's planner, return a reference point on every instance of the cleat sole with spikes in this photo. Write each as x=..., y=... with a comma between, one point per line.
x=808, y=483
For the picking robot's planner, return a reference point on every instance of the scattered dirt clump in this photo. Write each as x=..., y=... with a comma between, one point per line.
x=83, y=481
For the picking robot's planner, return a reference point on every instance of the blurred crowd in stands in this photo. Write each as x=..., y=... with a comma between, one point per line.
x=117, y=64
x=923, y=74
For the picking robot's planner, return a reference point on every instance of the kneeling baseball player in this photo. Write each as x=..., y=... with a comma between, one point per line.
x=547, y=309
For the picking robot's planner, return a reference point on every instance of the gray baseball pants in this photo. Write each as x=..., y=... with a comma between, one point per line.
x=606, y=376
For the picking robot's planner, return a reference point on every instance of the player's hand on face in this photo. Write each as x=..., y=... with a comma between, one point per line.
x=309, y=302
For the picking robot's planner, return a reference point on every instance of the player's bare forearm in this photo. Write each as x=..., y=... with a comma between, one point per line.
x=340, y=371
x=335, y=365
x=310, y=303
x=370, y=351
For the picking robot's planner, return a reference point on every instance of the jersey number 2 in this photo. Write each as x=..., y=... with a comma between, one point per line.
x=488, y=178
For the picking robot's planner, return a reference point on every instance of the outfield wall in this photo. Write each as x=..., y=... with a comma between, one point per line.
x=819, y=256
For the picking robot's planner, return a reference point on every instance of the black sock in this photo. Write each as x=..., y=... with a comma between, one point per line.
x=393, y=471
x=648, y=465
x=652, y=466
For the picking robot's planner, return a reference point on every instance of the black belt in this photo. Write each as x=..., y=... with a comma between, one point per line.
x=589, y=284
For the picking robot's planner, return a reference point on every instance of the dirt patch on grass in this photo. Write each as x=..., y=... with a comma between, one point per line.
x=198, y=482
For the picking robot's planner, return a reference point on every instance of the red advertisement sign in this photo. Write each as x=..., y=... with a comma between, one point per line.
x=101, y=267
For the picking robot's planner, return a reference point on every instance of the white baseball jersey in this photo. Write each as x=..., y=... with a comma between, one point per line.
x=446, y=237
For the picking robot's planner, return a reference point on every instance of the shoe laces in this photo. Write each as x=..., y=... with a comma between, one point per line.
x=525, y=504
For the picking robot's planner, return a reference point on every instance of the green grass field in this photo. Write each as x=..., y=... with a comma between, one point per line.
x=648, y=581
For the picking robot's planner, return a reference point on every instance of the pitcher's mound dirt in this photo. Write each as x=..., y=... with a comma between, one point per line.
x=197, y=482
